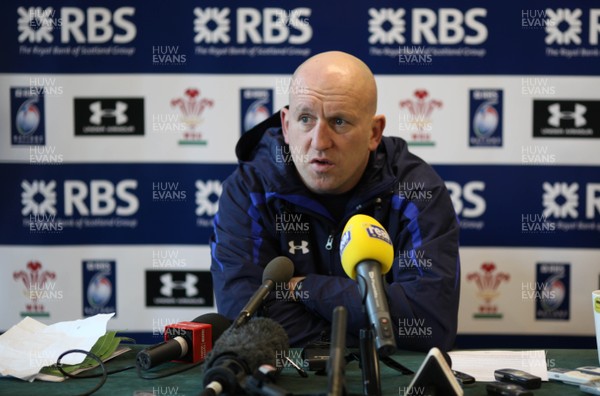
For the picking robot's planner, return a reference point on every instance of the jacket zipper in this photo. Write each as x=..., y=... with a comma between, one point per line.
x=329, y=244
x=331, y=237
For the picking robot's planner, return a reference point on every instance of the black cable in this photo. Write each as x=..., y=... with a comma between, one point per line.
x=93, y=375
x=391, y=363
x=166, y=373
x=104, y=374
x=93, y=356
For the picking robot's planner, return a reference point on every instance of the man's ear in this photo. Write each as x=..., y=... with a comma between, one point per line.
x=377, y=127
x=284, y=115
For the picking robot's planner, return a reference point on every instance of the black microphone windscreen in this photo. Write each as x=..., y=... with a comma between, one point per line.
x=218, y=322
x=259, y=341
x=280, y=269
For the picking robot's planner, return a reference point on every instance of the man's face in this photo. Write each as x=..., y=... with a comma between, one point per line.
x=330, y=135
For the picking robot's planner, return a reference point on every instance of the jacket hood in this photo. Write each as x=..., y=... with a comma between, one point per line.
x=251, y=138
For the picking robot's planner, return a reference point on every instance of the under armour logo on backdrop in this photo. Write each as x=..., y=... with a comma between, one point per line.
x=189, y=285
x=557, y=115
x=118, y=113
x=303, y=246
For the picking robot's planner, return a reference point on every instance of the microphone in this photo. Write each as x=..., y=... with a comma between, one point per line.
x=262, y=382
x=240, y=352
x=280, y=269
x=336, y=362
x=366, y=252
x=187, y=342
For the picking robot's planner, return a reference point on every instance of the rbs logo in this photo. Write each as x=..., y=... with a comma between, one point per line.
x=94, y=25
x=447, y=26
x=102, y=196
x=96, y=198
x=449, y=22
x=267, y=26
x=467, y=199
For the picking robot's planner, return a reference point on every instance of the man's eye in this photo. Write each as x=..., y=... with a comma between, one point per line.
x=304, y=119
x=339, y=122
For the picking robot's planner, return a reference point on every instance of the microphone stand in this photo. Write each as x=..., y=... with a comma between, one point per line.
x=369, y=364
x=336, y=364
x=369, y=361
x=369, y=358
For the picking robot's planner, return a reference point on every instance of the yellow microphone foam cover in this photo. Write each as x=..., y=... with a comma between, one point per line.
x=365, y=239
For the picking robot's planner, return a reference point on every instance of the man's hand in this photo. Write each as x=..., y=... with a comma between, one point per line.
x=293, y=283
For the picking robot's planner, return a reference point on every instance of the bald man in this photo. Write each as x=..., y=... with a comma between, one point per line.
x=302, y=174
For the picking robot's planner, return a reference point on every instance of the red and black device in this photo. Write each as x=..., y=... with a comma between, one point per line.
x=186, y=342
x=195, y=340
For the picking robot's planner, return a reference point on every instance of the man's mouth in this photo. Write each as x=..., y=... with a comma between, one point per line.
x=321, y=165
x=321, y=161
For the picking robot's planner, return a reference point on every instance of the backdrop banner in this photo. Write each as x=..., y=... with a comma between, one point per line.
x=119, y=122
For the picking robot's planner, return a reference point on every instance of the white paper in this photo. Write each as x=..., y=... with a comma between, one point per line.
x=482, y=364
x=30, y=345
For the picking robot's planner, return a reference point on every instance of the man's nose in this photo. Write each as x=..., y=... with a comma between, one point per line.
x=321, y=138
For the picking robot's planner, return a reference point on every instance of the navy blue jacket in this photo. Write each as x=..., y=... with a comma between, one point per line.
x=265, y=211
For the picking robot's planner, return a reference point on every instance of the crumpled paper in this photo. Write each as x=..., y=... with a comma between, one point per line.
x=30, y=345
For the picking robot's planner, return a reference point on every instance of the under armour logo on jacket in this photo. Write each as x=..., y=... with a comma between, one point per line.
x=557, y=115
x=303, y=246
x=189, y=285
x=118, y=113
